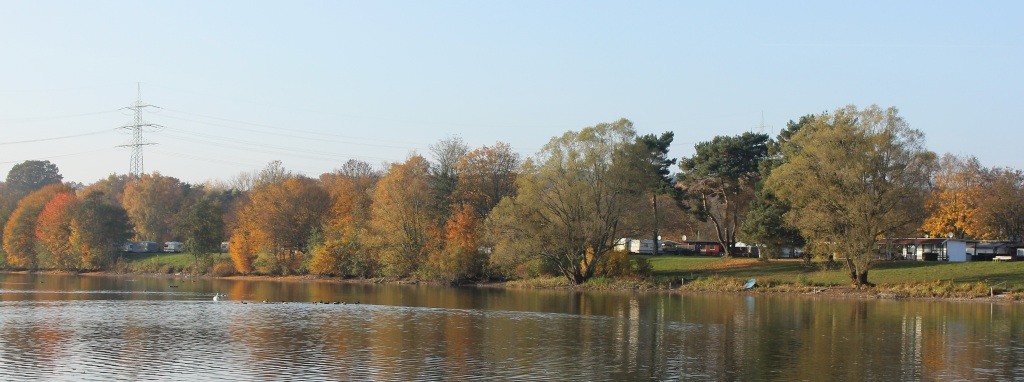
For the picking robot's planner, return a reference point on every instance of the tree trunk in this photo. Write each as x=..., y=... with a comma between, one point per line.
x=858, y=276
x=853, y=271
x=862, y=279
x=654, y=204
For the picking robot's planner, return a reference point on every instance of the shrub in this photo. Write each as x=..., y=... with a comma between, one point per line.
x=643, y=267
x=614, y=264
x=266, y=264
x=224, y=267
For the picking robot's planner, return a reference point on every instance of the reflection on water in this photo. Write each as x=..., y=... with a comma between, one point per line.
x=132, y=328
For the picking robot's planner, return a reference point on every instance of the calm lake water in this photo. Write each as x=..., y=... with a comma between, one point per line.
x=145, y=328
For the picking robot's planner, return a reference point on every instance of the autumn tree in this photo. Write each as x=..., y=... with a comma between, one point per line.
x=23, y=179
x=341, y=244
x=458, y=257
x=404, y=219
x=275, y=224
x=952, y=204
x=1000, y=207
x=852, y=177
x=343, y=251
x=485, y=176
x=112, y=187
x=153, y=202
x=718, y=182
x=571, y=204
x=20, y=231
x=53, y=231
x=98, y=229
x=274, y=172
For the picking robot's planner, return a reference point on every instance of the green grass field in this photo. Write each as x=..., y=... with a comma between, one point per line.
x=1004, y=275
x=168, y=262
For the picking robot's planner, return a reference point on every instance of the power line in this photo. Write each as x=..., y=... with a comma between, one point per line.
x=33, y=119
x=60, y=156
x=54, y=138
x=136, y=168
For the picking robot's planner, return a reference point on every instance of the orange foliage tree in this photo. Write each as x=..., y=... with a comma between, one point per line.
x=458, y=258
x=53, y=230
x=275, y=224
x=403, y=226
x=20, y=230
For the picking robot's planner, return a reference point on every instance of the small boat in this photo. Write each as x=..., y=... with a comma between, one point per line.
x=750, y=284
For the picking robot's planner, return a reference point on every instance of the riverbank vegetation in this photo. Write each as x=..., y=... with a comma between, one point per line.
x=834, y=184
x=892, y=278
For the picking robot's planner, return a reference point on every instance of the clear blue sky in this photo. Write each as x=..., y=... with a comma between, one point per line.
x=313, y=84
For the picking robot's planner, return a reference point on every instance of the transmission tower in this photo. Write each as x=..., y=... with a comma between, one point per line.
x=136, y=128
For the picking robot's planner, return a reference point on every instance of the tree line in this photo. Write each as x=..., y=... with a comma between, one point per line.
x=834, y=183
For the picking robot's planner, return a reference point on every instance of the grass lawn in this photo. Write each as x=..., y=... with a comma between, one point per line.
x=167, y=262
x=1004, y=275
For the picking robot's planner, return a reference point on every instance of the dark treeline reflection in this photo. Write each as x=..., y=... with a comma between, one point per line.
x=135, y=327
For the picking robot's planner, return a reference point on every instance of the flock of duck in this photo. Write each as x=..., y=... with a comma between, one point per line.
x=223, y=297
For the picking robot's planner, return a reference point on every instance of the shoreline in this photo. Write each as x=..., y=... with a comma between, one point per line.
x=829, y=292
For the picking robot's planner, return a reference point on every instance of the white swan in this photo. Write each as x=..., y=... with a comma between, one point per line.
x=217, y=296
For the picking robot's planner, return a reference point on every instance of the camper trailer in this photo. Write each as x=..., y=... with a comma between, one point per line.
x=173, y=246
x=141, y=247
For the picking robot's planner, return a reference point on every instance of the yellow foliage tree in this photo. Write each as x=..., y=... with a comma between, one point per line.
x=153, y=202
x=952, y=205
x=403, y=226
x=342, y=252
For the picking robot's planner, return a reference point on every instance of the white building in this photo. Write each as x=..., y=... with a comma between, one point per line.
x=930, y=249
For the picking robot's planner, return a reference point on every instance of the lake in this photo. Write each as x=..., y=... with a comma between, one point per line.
x=61, y=327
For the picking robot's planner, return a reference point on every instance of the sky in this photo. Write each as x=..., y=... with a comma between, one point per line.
x=237, y=84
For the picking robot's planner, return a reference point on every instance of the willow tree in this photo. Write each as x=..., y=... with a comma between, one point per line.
x=572, y=202
x=852, y=177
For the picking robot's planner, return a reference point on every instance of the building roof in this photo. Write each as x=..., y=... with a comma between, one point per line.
x=919, y=240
